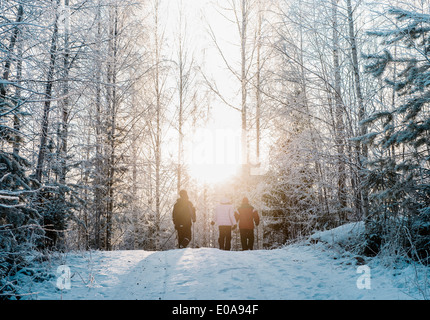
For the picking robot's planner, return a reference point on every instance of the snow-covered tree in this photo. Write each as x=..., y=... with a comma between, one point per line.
x=20, y=222
x=399, y=172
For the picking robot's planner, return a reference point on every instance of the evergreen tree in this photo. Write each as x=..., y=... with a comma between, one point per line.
x=20, y=229
x=398, y=174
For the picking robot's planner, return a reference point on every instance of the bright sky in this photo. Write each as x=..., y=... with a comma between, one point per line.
x=212, y=153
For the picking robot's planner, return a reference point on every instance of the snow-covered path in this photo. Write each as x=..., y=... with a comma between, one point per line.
x=294, y=272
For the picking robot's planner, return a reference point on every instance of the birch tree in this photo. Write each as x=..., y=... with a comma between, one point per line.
x=186, y=87
x=239, y=14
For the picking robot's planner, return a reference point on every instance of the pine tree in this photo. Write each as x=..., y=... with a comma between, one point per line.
x=20, y=230
x=399, y=175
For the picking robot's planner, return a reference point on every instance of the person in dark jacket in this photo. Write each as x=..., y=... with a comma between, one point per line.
x=246, y=215
x=184, y=215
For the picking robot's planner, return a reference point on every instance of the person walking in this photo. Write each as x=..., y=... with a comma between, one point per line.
x=246, y=215
x=224, y=218
x=184, y=215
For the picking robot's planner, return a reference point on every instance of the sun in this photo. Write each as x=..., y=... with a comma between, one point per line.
x=214, y=154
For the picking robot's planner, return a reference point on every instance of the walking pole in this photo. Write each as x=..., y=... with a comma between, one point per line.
x=237, y=239
x=168, y=238
x=258, y=242
x=212, y=236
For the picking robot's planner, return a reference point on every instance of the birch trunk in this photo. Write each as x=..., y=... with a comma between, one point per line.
x=361, y=147
x=339, y=111
x=48, y=98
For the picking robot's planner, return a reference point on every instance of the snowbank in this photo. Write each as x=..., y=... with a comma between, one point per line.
x=342, y=235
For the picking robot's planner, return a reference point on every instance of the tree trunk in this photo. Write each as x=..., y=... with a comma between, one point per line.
x=65, y=99
x=244, y=138
x=98, y=165
x=361, y=147
x=16, y=117
x=339, y=111
x=112, y=103
x=158, y=128
x=48, y=98
x=12, y=42
x=181, y=104
x=258, y=84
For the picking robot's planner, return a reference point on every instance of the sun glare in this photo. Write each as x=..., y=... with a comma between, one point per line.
x=212, y=174
x=214, y=154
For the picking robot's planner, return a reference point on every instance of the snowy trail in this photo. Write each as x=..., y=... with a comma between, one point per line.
x=294, y=272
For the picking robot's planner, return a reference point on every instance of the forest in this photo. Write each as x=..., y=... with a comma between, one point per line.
x=317, y=111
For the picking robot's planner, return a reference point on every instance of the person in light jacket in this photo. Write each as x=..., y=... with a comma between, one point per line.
x=224, y=218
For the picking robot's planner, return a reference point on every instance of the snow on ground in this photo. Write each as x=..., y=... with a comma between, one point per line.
x=298, y=271
x=349, y=232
